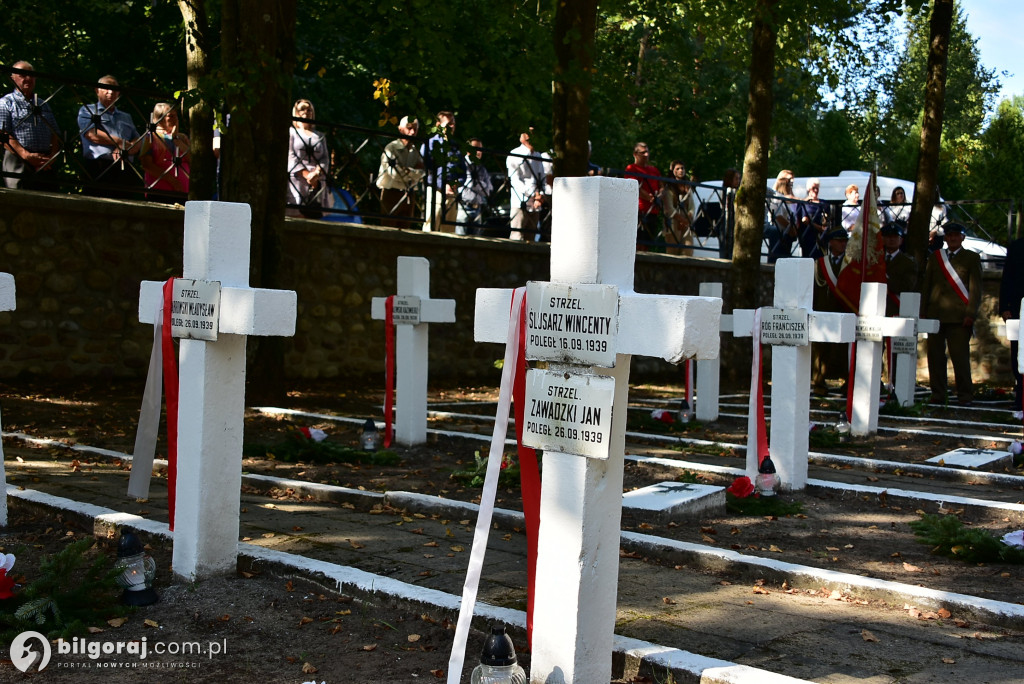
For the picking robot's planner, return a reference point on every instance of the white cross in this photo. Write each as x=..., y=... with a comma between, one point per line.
x=593, y=241
x=791, y=372
x=904, y=349
x=709, y=371
x=7, y=303
x=411, y=346
x=212, y=385
x=872, y=327
x=1013, y=335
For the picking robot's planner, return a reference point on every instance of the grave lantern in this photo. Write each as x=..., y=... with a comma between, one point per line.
x=498, y=664
x=843, y=427
x=685, y=412
x=767, y=480
x=137, y=571
x=369, y=440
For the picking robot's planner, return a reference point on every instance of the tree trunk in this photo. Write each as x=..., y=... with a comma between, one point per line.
x=203, y=164
x=575, y=27
x=258, y=39
x=750, y=197
x=931, y=133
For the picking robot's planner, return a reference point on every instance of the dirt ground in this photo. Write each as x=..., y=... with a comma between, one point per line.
x=288, y=630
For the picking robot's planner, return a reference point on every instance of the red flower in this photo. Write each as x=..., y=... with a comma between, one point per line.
x=741, y=487
x=6, y=584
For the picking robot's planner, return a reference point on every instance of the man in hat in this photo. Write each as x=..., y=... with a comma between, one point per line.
x=401, y=170
x=952, y=295
x=828, y=361
x=900, y=277
x=900, y=267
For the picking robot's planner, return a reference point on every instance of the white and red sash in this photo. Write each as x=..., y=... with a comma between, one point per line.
x=831, y=279
x=951, y=275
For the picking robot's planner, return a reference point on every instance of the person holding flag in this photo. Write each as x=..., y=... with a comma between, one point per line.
x=951, y=295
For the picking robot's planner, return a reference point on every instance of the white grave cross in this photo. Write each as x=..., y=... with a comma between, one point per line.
x=872, y=327
x=411, y=338
x=592, y=243
x=904, y=349
x=709, y=371
x=791, y=371
x=7, y=303
x=212, y=385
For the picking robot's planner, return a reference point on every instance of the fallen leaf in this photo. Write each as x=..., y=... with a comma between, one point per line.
x=355, y=545
x=760, y=590
x=308, y=668
x=832, y=548
x=268, y=535
x=225, y=617
x=645, y=526
x=944, y=614
x=868, y=636
x=370, y=647
x=960, y=622
x=667, y=601
x=457, y=549
x=117, y=622
x=96, y=630
x=911, y=568
x=438, y=673
x=151, y=623
x=305, y=620
x=296, y=528
x=413, y=638
x=836, y=595
x=288, y=586
x=706, y=539
x=775, y=548
x=949, y=661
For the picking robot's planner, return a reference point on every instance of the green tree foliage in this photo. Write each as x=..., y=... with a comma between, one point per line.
x=89, y=38
x=998, y=168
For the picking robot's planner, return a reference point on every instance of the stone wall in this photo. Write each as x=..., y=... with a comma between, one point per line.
x=78, y=263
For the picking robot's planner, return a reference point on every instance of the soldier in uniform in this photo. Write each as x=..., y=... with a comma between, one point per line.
x=952, y=295
x=829, y=361
x=900, y=277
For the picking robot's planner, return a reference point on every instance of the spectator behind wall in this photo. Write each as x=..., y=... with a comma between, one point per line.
x=308, y=163
x=165, y=155
x=32, y=135
x=109, y=143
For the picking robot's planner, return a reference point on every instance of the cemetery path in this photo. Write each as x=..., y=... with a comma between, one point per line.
x=718, y=611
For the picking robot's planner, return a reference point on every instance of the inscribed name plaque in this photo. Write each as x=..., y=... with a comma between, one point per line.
x=405, y=310
x=786, y=327
x=869, y=329
x=904, y=345
x=572, y=323
x=568, y=413
x=195, y=309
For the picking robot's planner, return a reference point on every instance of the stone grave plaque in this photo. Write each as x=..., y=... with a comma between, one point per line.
x=572, y=323
x=787, y=327
x=195, y=309
x=567, y=412
x=965, y=457
x=677, y=499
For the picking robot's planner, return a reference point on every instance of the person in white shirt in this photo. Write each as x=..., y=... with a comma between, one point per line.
x=851, y=210
x=527, y=176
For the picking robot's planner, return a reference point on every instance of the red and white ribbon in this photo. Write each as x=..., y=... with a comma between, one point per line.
x=951, y=275
x=389, y=367
x=757, y=390
x=161, y=358
x=490, y=489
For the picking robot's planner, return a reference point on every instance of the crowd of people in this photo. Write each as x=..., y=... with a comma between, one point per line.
x=113, y=150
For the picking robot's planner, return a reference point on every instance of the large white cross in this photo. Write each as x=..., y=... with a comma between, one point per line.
x=7, y=303
x=593, y=242
x=872, y=327
x=709, y=371
x=212, y=385
x=791, y=372
x=411, y=337
x=904, y=349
